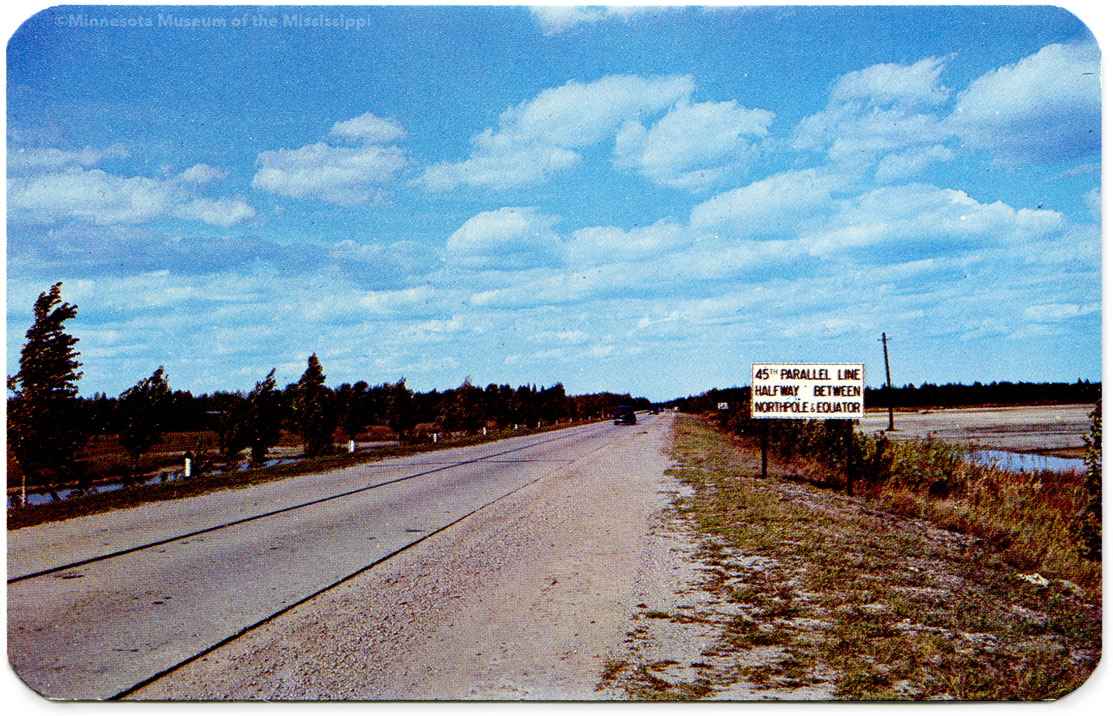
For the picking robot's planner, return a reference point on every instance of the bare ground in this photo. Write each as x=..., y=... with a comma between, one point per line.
x=1045, y=429
x=802, y=594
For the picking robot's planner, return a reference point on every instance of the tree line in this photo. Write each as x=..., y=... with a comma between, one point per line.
x=49, y=423
x=926, y=395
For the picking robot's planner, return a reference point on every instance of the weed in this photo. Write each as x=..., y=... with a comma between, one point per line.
x=876, y=606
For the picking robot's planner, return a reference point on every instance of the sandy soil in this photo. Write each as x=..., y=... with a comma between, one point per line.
x=784, y=570
x=528, y=599
x=1046, y=429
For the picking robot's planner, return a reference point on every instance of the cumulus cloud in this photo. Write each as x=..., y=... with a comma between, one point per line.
x=1045, y=108
x=218, y=212
x=694, y=145
x=555, y=19
x=345, y=175
x=605, y=244
x=369, y=128
x=90, y=195
x=68, y=191
x=911, y=222
x=22, y=159
x=909, y=163
x=202, y=174
x=781, y=205
x=507, y=238
x=542, y=136
x=880, y=109
x=915, y=85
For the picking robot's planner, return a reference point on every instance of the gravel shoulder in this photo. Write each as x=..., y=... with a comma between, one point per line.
x=798, y=593
x=528, y=599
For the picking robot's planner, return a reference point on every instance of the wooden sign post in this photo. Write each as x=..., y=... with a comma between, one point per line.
x=808, y=391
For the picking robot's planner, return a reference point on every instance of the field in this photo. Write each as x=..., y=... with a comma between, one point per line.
x=1044, y=429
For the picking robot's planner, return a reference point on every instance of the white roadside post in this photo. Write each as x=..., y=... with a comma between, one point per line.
x=808, y=391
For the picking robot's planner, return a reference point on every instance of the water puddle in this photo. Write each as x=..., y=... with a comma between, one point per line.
x=1025, y=462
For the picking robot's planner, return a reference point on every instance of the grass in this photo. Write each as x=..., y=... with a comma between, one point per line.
x=858, y=603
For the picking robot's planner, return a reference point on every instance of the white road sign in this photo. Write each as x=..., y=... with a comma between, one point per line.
x=818, y=391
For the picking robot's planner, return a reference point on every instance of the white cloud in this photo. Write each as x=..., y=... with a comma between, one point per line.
x=508, y=168
x=202, y=174
x=341, y=175
x=595, y=245
x=47, y=158
x=398, y=301
x=510, y=237
x=69, y=192
x=541, y=136
x=89, y=195
x=565, y=337
x=1045, y=108
x=218, y=212
x=909, y=163
x=1054, y=312
x=914, y=85
x=694, y=145
x=781, y=205
x=555, y=19
x=915, y=221
x=381, y=263
x=369, y=128
x=883, y=108
x=1093, y=203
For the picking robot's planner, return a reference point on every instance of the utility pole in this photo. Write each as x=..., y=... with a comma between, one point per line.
x=888, y=380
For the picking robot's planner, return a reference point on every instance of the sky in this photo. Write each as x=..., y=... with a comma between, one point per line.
x=622, y=199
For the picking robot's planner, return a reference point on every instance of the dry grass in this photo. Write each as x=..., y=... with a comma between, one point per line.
x=836, y=599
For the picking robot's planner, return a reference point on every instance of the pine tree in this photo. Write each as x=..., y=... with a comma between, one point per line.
x=1086, y=524
x=143, y=408
x=401, y=413
x=264, y=418
x=314, y=417
x=44, y=427
x=232, y=426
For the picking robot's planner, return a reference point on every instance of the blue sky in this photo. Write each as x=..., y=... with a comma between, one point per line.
x=628, y=200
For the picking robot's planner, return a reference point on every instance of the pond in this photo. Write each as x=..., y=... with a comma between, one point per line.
x=1025, y=462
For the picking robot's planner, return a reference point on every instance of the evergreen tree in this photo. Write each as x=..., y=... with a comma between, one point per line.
x=45, y=432
x=401, y=413
x=314, y=417
x=264, y=418
x=143, y=407
x=1086, y=525
x=233, y=425
x=351, y=406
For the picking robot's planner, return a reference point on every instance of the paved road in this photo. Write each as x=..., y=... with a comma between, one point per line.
x=99, y=628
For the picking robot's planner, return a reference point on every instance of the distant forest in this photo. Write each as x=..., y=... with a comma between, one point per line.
x=356, y=406
x=929, y=395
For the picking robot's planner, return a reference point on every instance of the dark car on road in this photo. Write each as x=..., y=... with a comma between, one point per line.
x=625, y=416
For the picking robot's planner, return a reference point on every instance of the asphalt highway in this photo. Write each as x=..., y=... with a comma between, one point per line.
x=101, y=605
